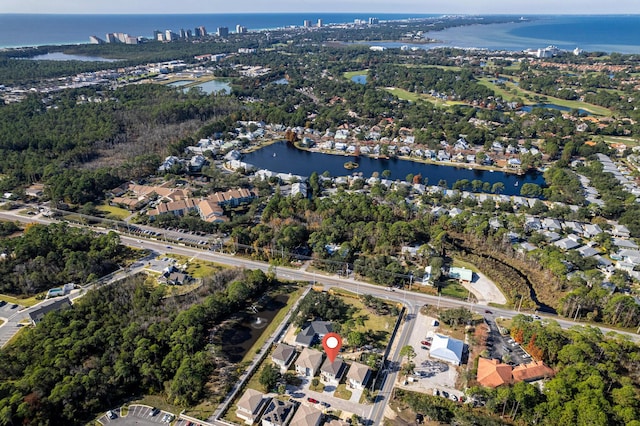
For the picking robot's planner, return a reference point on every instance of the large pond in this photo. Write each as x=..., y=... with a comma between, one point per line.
x=214, y=86
x=282, y=157
x=240, y=336
x=360, y=79
x=529, y=108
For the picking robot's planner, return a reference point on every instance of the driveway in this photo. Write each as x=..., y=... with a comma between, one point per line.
x=485, y=290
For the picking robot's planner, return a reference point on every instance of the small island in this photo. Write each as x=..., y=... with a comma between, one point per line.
x=350, y=165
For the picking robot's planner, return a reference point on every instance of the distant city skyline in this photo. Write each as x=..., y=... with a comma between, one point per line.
x=550, y=7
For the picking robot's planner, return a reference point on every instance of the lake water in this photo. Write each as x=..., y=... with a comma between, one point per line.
x=214, y=86
x=180, y=83
x=528, y=108
x=59, y=56
x=289, y=159
x=360, y=79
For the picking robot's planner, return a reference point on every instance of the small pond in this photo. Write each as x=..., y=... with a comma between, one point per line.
x=360, y=79
x=248, y=326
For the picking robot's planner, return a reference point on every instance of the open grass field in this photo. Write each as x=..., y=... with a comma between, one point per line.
x=527, y=97
x=198, y=268
x=113, y=212
x=453, y=289
x=373, y=322
x=342, y=392
x=350, y=74
x=630, y=142
x=27, y=302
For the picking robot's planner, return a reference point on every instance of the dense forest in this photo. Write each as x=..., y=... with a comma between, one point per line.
x=44, y=257
x=122, y=340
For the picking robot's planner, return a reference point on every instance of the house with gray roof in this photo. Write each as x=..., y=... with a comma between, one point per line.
x=313, y=332
x=278, y=413
x=56, y=305
x=332, y=372
x=586, y=251
x=624, y=243
x=551, y=236
x=551, y=224
x=283, y=356
x=591, y=230
x=566, y=244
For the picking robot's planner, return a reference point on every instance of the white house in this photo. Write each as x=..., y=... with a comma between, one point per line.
x=447, y=349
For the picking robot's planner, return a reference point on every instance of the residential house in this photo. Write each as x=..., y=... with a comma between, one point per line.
x=358, y=375
x=176, y=208
x=461, y=274
x=566, y=244
x=309, y=362
x=282, y=356
x=251, y=405
x=332, y=372
x=624, y=243
x=551, y=224
x=56, y=305
x=278, y=413
x=620, y=231
x=315, y=331
x=492, y=373
x=587, y=251
x=168, y=163
x=197, y=162
x=590, y=230
x=306, y=416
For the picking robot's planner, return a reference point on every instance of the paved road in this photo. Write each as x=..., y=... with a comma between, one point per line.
x=413, y=301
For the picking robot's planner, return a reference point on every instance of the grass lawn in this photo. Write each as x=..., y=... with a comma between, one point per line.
x=197, y=268
x=414, y=97
x=342, y=392
x=463, y=264
x=373, y=322
x=522, y=94
x=453, y=289
x=277, y=320
x=620, y=139
x=350, y=74
x=319, y=388
x=114, y=212
x=27, y=302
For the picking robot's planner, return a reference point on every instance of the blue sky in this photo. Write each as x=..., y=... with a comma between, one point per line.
x=370, y=6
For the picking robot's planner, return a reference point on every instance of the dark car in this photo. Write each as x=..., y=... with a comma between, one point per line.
x=419, y=418
x=313, y=401
x=488, y=312
x=325, y=404
x=155, y=411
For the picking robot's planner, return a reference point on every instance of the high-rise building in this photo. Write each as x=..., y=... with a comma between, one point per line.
x=223, y=32
x=240, y=29
x=170, y=35
x=307, y=23
x=110, y=38
x=374, y=21
x=156, y=33
x=189, y=34
x=201, y=31
x=183, y=33
x=95, y=40
x=319, y=23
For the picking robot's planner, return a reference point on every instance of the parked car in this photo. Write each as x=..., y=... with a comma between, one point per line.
x=488, y=312
x=312, y=400
x=426, y=348
x=426, y=343
x=155, y=411
x=325, y=404
x=111, y=414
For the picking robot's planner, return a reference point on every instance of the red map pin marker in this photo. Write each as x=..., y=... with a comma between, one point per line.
x=332, y=343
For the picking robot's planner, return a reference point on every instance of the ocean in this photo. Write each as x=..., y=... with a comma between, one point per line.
x=17, y=30
x=608, y=33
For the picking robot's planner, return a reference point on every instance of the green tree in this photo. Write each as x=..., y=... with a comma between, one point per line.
x=269, y=377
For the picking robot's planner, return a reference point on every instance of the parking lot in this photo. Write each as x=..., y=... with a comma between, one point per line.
x=504, y=347
x=137, y=415
x=429, y=373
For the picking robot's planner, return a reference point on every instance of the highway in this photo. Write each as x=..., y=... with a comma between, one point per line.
x=411, y=300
